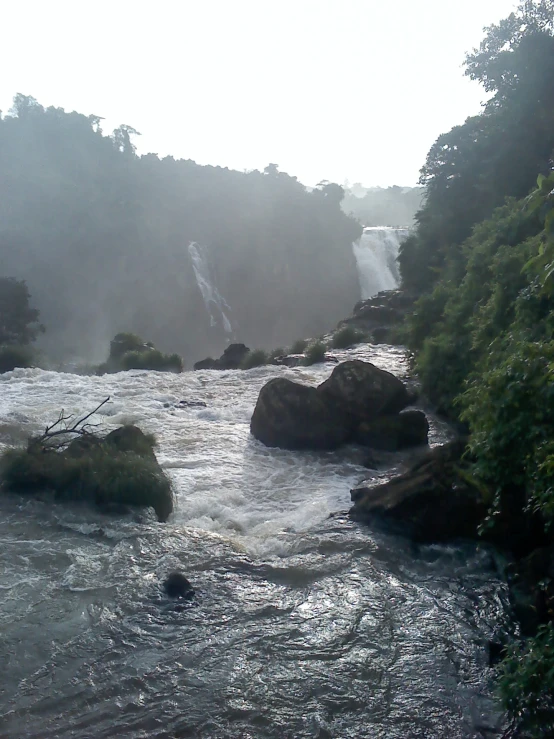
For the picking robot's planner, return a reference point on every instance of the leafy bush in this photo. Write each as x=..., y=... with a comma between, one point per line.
x=102, y=472
x=254, y=358
x=15, y=356
x=345, y=337
x=125, y=342
x=299, y=346
x=527, y=683
x=152, y=359
x=315, y=353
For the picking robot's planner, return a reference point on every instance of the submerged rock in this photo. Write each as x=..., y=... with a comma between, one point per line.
x=433, y=501
x=293, y=416
x=391, y=433
x=364, y=391
x=176, y=585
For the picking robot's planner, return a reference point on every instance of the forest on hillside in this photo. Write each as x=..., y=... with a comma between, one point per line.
x=102, y=237
x=383, y=206
x=482, y=260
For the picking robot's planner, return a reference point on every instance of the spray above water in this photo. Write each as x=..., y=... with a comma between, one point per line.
x=215, y=304
x=376, y=255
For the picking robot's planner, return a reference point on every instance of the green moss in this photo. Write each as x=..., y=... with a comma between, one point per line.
x=254, y=358
x=315, y=353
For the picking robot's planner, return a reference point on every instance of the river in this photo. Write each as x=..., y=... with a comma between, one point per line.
x=305, y=624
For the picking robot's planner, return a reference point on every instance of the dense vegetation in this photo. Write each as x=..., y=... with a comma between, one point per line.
x=19, y=324
x=102, y=238
x=482, y=258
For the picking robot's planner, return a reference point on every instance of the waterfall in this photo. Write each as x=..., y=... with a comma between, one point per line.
x=376, y=253
x=213, y=300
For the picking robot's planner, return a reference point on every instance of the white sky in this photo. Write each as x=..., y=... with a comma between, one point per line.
x=327, y=89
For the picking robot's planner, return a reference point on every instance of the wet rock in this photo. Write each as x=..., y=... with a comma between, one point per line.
x=176, y=585
x=131, y=439
x=432, y=502
x=191, y=404
x=207, y=364
x=379, y=315
x=391, y=433
x=364, y=391
x=293, y=416
x=231, y=358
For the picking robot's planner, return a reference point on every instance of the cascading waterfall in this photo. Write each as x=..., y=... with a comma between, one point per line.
x=376, y=253
x=215, y=303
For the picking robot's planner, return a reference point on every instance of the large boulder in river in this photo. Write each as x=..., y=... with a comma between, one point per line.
x=391, y=433
x=364, y=391
x=293, y=416
x=432, y=502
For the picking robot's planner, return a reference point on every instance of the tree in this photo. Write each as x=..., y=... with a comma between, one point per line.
x=473, y=168
x=18, y=321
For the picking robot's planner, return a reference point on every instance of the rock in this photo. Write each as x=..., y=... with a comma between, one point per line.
x=191, y=404
x=176, y=585
x=230, y=359
x=207, y=364
x=364, y=391
x=432, y=502
x=293, y=416
x=391, y=433
x=131, y=439
x=232, y=356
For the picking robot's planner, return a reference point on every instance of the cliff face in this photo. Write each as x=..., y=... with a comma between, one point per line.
x=102, y=236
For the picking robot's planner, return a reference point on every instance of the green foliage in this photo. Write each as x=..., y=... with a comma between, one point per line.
x=254, y=358
x=15, y=356
x=18, y=321
x=471, y=170
x=527, y=683
x=315, y=353
x=125, y=342
x=299, y=346
x=345, y=337
x=99, y=474
x=152, y=359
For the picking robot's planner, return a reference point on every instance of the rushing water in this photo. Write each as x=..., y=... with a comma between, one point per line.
x=304, y=625
x=376, y=253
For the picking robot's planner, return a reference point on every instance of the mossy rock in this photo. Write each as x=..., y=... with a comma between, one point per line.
x=117, y=470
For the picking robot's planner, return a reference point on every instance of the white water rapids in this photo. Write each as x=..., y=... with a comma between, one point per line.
x=303, y=626
x=376, y=253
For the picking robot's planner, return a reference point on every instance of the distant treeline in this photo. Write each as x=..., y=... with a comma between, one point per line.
x=101, y=236
x=383, y=206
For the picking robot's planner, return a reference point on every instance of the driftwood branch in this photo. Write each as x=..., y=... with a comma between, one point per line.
x=52, y=432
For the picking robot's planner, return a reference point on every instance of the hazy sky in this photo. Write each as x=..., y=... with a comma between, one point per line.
x=327, y=89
